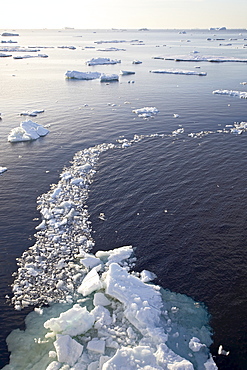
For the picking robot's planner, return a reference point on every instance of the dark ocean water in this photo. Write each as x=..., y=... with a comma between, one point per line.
x=180, y=201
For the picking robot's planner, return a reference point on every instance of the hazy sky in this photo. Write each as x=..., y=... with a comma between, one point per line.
x=123, y=13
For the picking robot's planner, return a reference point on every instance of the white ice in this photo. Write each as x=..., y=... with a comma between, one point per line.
x=123, y=323
x=146, y=112
x=82, y=75
x=28, y=130
x=2, y=169
x=102, y=61
x=126, y=73
x=240, y=94
x=178, y=72
x=203, y=58
x=108, y=77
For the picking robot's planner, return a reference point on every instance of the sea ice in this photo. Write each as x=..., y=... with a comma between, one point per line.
x=179, y=72
x=108, y=77
x=126, y=73
x=2, y=169
x=82, y=75
x=68, y=350
x=146, y=112
x=28, y=130
x=201, y=58
x=102, y=61
x=240, y=94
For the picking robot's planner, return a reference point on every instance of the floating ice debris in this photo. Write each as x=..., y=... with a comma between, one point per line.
x=221, y=351
x=10, y=34
x=82, y=75
x=67, y=47
x=111, y=49
x=34, y=113
x=30, y=56
x=108, y=77
x=240, y=94
x=136, y=62
x=102, y=216
x=8, y=42
x=2, y=55
x=123, y=322
x=101, y=61
x=175, y=115
x=146, y=112
x=200, y=58
x=126, y=73
x=28, y=130
x=18, y=49
x=2, y=169
x=178, y=131
x=178, y=72
x=243, y=83
x=109, y=41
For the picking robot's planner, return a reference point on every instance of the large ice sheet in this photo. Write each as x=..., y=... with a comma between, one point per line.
x=82, y=75
x=101, y=61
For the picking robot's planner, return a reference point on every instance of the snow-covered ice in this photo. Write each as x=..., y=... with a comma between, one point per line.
x=2, y=169
x=126, y=73
x=102, y=314
x=108, y=77
x=178, y=72
x=125, y=323
x=240, y=94
x=102, y=61
x=28, y=130
x=146, y=112
x=82, y=75
x=203, y=58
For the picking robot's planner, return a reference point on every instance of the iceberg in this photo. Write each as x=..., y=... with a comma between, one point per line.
x=178, y=72
x=82, y=75
x=28, y=130
x=240, y=94
x=102, y=61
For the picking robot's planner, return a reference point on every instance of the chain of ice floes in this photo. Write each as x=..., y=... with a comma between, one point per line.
x=50, y=270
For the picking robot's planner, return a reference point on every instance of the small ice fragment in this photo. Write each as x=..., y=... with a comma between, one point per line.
x=68, y=350
x=2, y=169
x=221, y=351
x=175, y=115
x=96, y=345
x=100, y=300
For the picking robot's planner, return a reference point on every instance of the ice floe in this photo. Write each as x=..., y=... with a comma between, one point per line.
x=28, y=130
x=146, y=112
x=136, y=62
x=2, y=169
x=240, y=94
x=178, y=72
x=9, y=34
x=102, y=61
x=201, y=58
x=126, y=73
x=82, y=75
x=108, y=77
x=111, y=49
x=33, y=113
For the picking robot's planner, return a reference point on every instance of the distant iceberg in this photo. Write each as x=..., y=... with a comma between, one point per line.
x=179, y=72
x=28, y=130
x=82, y=75
x=240, y=94
x=101, y=61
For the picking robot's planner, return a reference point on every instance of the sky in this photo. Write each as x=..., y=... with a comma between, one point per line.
x=93, y=14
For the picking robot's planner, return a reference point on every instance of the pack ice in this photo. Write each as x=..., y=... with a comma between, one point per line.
x=118, y=320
